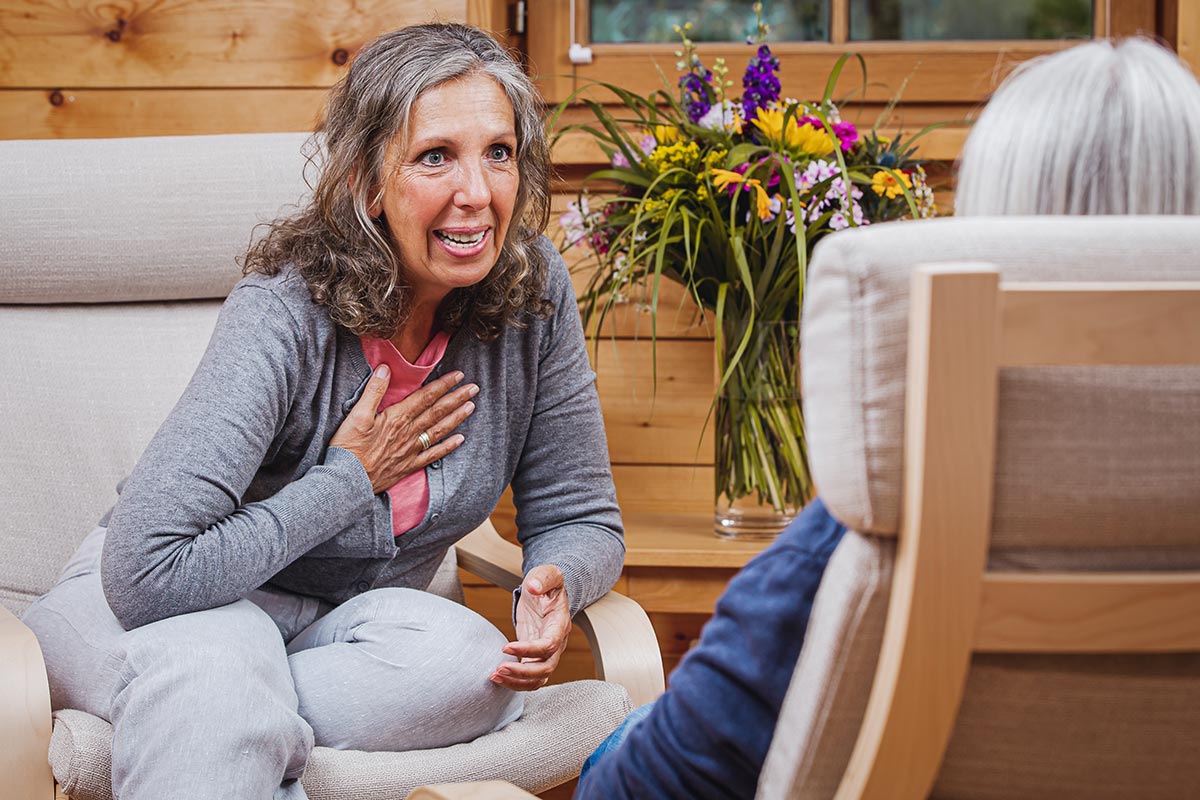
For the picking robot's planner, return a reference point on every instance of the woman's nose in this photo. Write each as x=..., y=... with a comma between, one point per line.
x=473, y=190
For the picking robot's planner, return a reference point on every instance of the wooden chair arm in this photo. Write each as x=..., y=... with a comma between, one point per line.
x=618, y=631
x=482, y=790
x=25, y=721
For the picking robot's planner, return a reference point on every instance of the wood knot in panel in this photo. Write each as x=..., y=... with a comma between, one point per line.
x=340, y=56
x=114, y=34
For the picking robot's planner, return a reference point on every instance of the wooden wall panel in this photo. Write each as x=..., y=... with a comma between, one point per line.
x=75, y=69
x=172, y=43
x=102, y=113
x=659, y=421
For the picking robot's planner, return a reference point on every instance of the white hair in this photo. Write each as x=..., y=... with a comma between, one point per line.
x=1100, y=128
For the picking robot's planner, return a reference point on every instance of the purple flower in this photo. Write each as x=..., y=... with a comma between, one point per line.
x=760, y=84
x=696, y=93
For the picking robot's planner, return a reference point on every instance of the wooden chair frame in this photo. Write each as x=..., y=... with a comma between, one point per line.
x=964, y=325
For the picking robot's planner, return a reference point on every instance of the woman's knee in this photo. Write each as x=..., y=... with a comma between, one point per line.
x=80, y=641
x=421, y=668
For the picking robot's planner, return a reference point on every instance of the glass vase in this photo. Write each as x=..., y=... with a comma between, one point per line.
x=761, y=470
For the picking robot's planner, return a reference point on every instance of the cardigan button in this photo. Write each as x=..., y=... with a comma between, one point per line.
x=362, y=586
x=434, y=517
x=436, y=464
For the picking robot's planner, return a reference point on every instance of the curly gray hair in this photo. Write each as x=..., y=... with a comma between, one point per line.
x=344, y=254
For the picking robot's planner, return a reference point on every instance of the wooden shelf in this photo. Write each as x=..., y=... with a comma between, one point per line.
x=682, y=540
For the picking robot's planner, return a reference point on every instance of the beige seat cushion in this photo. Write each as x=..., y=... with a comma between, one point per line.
x=560, y=728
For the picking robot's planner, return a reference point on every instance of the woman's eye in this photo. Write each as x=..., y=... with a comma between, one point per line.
x=434, y=158
x=500, y=152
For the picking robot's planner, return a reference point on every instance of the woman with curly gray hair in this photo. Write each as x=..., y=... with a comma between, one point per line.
x=401, y=349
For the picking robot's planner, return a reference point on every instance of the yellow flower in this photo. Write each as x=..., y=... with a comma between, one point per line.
x=714, y=158
x=796, y=138
x=885, y=183
x=764, y=201
x=665, y=134
x=684, y=155
x=723, y=178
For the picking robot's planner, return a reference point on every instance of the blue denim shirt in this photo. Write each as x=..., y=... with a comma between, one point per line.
x=707, y=736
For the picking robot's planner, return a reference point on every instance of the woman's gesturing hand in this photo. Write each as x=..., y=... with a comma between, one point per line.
x=543, y=623
x=409, y=434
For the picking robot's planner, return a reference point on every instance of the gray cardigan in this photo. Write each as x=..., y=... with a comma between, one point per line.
x=239, y=487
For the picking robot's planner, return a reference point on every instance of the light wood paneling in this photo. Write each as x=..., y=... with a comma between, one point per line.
x=104, y=113
x=677, y=590
x=651, y=488
x=176, y=43
x=950, y=72
x=659, y=421
x=1187, y=31
x=685, y=492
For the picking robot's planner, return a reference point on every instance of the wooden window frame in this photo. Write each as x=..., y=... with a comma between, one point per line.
x=938, y=72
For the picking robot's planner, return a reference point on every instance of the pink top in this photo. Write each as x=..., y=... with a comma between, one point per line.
x=410, y=497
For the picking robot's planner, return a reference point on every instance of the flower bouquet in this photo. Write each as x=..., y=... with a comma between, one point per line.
x=727, y=197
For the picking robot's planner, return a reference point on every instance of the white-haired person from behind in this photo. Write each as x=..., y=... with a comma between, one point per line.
x=1100, y=128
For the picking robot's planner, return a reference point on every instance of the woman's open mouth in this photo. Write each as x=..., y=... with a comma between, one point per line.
x=463, y=241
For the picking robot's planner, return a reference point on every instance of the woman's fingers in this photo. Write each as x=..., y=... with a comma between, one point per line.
x=367, y=405
x=536, y=648
x=408, y=435
x=524, y=676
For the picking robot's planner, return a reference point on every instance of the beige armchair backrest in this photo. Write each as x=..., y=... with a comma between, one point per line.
x=116, y=256
x=1094, y=469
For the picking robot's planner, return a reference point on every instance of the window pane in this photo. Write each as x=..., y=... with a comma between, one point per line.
x=712, y=20
x=970, y=19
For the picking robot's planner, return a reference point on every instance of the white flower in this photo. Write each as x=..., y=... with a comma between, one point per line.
x=574, y=221
x=721, y=117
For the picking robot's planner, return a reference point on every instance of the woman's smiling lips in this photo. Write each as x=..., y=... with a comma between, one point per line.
x=463, y=242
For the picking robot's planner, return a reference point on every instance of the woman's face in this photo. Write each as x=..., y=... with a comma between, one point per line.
x=450, y=195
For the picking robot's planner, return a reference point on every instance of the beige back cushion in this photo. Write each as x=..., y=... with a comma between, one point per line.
x=1097, y=470
x=93, y=233
x=157, y=218
x=1060, y=482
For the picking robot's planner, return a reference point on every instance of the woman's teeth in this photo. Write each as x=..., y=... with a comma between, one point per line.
x=461, y=239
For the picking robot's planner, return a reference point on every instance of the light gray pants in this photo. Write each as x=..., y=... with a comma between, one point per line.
x=227, y=703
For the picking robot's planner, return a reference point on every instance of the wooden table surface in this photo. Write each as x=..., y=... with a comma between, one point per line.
x=682, y=540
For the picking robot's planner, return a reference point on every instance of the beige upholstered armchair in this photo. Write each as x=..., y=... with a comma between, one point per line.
x=1018, y=451
x=115, y=257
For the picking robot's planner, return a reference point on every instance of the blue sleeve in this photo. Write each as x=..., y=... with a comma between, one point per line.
x=707, y=736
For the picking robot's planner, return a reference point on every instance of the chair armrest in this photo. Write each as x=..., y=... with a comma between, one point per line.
x=618, y=631
x=483, y=790
x=25, y=721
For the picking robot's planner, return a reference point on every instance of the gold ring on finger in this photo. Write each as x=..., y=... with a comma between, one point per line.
x=425, y=441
